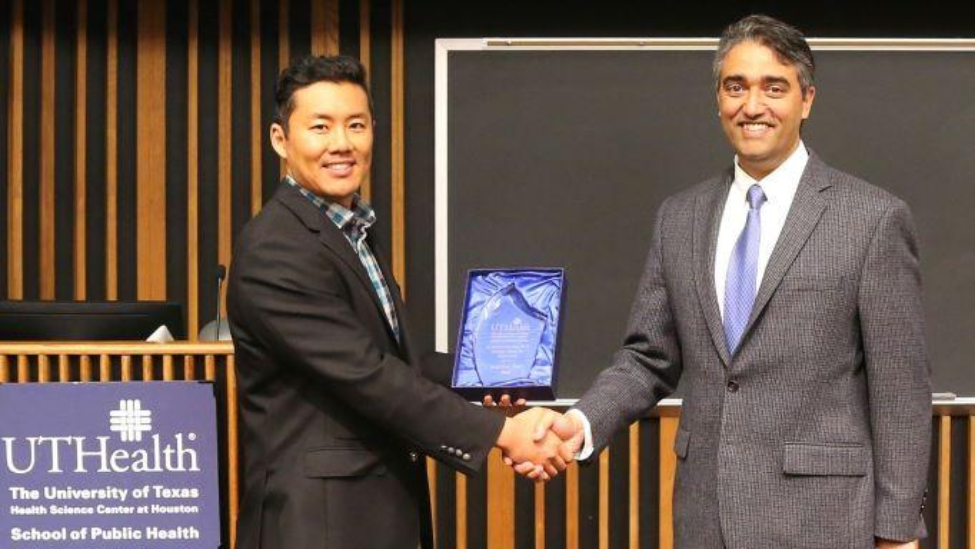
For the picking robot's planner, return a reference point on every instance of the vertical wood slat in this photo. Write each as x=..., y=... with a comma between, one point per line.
x=4, y=369
x=634, y=493
x=233, y=489
x=256, y=122
x=192, y=171
x=539, y=515
x=398, y=167
x=23, y=369
x=111, y=153
x=189, y=367
x=81, y=155
x=284, y=53
x=432, y=488
x=572, y=506
x=15, y=158
x=971, y=482
x=147, y=368
x=604, y=499
x=210, y=368
x=85, y=371
x=224, y=132
x=64, y=368
x=668, y=467
x=104, y=368
x=460, y=509
x=151, y=156
x=325, y=27
x=168, y=372
x=43, y=368
x=500, y=511
x=126, y=367
x=944, y=482
x=46, y=214
x=365, y=53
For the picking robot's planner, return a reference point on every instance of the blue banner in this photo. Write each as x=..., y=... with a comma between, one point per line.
x=109, y=465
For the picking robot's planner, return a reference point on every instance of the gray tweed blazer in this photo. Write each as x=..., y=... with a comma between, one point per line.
x=816, y=432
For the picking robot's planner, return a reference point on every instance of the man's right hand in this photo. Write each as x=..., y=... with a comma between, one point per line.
x=540, y=457
x=567, y=428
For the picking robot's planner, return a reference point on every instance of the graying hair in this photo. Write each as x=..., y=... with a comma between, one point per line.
x=786, y=41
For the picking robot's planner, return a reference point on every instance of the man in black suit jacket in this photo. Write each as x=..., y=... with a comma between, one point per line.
x=336, y=414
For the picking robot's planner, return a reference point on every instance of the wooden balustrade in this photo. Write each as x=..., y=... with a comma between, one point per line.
x=622, y=500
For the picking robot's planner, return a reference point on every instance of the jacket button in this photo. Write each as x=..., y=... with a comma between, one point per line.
x=414, y=457
x=467, y=457
x=732, y=386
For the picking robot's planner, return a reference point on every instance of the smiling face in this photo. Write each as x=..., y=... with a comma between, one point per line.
x=328, y=142
x=762, y=106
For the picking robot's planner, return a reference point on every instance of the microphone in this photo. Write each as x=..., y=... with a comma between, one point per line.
x=213, y=331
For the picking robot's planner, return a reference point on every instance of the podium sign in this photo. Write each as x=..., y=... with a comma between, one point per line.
x=508, y=338
x=109, y=465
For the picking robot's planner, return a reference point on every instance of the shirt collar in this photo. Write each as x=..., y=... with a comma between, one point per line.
x=361, y=214
x=779, y=184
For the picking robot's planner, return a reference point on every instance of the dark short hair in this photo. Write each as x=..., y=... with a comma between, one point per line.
x=312, y=69
x=786, y=41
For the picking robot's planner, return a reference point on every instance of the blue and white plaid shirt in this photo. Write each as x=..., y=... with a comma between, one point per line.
x=353, y=224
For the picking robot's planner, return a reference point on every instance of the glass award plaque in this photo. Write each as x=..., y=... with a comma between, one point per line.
x=508, y=338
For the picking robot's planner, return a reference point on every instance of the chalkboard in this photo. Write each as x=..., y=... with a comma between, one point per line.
x=560, y=156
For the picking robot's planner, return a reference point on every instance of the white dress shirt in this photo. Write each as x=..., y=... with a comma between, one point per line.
x=780, y=188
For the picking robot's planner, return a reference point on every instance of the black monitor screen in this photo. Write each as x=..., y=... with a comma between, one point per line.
x=88, y=320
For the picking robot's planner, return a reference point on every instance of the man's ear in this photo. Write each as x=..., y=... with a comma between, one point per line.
x=279, y=137
x=807, y=101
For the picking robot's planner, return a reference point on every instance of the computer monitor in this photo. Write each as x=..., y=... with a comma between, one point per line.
x=88, y=320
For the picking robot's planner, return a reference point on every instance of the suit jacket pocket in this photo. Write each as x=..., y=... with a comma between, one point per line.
x=342, y=462
x=825, y=459
x=682, y=442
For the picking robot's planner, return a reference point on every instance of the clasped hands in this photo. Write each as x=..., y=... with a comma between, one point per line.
x=538, y=443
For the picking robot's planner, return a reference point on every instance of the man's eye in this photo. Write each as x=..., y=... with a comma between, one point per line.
x=734, y=89
x=776, y=90
x=358, y=126
x=319, y=128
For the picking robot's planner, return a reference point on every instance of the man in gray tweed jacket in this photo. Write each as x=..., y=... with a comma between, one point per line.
x=787, y=295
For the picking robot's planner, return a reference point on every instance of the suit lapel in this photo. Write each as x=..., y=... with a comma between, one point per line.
x=804, y=214
x=330, y=236
x=708, y=210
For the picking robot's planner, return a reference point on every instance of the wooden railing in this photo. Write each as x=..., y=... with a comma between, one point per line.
x=622, y=500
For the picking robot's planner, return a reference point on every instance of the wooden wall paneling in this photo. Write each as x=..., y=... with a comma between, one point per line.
x=151, y=157
x=111, y=154
x=47, y=128
x=192, y=171
x=104, y=367
x=4, y=369
x=15, y=160
x=233, y=461
x=64, y=368
x=224, y=132
x=148, y=365
x=944, y=482
x=257, y=131
x=572, y=506
x=209, y=368
x=501, y=495
x=81, y=155
x=168, y=372
x=398, y=146
x=126, y=367
x=668, y=466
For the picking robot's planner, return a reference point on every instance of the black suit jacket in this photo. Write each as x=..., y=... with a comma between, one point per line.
x=335, y=415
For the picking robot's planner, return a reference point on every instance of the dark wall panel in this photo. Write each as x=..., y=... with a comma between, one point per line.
x=176, y=153
x=64, y=147
x=5, y=28
x=127, y=149
x=32, y=148
x=95, y=171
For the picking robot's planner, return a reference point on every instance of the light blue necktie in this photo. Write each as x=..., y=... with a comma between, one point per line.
x=739, y=289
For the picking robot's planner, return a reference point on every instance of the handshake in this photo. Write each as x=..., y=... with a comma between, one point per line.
x=538, y=443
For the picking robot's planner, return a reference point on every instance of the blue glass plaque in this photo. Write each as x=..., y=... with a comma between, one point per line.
x=508, y=339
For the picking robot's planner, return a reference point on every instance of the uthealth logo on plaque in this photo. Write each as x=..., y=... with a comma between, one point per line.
x=102, y=464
